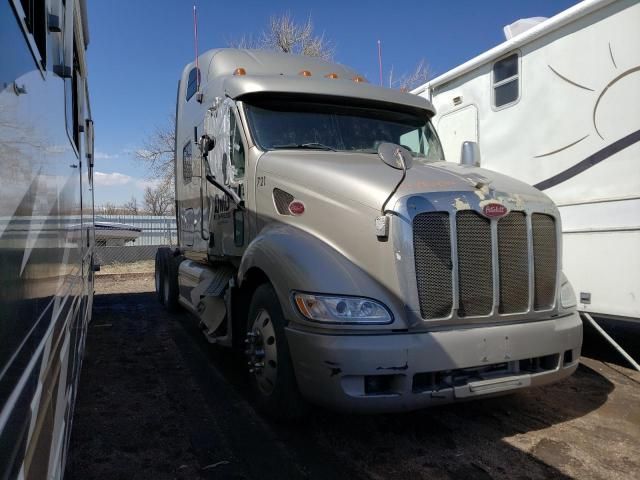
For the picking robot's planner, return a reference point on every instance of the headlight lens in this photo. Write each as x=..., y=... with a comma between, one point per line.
x=341, y=310
x=567, y=295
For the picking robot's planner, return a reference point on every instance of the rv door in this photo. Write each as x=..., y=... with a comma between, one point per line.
x=457, y=127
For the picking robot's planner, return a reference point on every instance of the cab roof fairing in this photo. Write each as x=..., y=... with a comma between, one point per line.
x=275, y=72
x=238, y=87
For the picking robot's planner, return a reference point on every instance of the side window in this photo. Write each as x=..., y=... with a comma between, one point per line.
x=192, y=85
x=74, y=107
x=506, y=81
x=237, y=149
x=187, y=163
x=35, y=20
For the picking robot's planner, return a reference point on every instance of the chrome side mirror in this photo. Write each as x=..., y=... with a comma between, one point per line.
x=470, y=154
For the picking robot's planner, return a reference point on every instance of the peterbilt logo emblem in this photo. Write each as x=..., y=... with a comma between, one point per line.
x=494, y=210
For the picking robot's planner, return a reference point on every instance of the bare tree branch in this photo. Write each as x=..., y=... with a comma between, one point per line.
x=131, y=207
x=421, y=74
x=158, y=151
x=159, y=200
x=283, y=34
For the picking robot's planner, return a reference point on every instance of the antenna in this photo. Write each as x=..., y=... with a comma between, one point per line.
x=380, y=60
x=195, y=39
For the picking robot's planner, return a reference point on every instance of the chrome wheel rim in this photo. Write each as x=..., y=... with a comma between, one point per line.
x=262, y=352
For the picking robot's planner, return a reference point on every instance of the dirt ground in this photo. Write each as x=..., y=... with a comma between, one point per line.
x=157, y=401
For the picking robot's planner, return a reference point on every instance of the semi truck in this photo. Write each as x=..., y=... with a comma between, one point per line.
x=322, y=233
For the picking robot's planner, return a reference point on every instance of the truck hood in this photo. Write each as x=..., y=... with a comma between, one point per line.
x=365, y=179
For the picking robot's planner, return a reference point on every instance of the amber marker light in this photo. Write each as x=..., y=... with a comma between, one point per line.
x=305, y=73
x=239, y=71
x=359, y=79
x=303, y=307
x=331, y=75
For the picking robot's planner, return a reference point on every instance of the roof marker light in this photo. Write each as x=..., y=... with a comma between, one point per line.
x=331, y=75
x=359, y=79
x=239, y=71
x=305, y=73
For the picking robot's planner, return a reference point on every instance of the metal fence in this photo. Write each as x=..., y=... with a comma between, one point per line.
x=131, y=238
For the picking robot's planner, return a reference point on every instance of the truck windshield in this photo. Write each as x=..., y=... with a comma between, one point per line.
x=316, y=126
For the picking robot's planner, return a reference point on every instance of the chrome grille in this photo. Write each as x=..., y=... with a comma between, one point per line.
x=545, y=260
x=475, y=263
x=432, y=253
x=513, y=263
x=282, y=200
x=475, y=271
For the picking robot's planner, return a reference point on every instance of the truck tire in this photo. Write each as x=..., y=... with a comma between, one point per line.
x=170, y=284
x=159, y=276
x=271, y=374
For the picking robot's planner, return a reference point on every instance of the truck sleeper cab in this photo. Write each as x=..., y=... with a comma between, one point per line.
x=321, y=231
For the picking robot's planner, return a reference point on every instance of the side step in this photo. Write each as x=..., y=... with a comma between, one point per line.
x=203, y=291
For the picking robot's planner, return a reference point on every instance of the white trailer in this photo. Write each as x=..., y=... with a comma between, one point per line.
x=558, y=106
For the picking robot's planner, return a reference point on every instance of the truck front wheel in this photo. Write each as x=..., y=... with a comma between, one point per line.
x=271, y=371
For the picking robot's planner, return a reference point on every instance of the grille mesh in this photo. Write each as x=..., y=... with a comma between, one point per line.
x=282, y=200
x=432, y=252
x=475, y=274
x=513, y=263
x=544, y=260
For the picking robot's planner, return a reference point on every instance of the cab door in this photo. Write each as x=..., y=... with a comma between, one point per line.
x=227, y=162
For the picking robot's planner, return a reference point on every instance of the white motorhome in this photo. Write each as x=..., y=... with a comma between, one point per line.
x=558, y=106
x=47, y=234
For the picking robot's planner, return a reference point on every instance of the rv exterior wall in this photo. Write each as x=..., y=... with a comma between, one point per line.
x=574, y=132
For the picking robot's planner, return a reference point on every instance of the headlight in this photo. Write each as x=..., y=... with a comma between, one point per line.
x=341, y=310
x=567, y=295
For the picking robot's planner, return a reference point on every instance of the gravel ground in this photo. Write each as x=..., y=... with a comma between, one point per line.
x=157, y=401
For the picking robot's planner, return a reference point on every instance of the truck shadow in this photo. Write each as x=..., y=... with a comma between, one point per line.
x=519, y=436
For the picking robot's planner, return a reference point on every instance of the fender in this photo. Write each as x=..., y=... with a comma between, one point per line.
x=293, y=259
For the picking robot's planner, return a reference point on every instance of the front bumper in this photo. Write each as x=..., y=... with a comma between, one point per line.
x=407, y=371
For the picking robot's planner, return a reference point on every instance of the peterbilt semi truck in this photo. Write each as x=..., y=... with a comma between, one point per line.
x=321, y=232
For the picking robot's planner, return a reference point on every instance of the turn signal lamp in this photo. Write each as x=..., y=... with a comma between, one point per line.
x=239, y=71
x=305, y=73
x=359, y=79
x=331, y=75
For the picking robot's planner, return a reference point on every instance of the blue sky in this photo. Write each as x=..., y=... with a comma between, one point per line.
x=138, y=49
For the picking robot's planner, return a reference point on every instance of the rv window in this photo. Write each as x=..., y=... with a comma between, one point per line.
x=237, y=149
x=187, y=163
x=35, y=20
x=72, y=98
x=192, y=85
x=506, y=81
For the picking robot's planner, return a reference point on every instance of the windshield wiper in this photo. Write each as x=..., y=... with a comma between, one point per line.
x=308, y=146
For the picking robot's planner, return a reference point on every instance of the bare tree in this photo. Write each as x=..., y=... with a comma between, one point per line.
x=110, y=209
x=283, y=34
x=158, y=151
x=408, y=81
x=131, y=207
x=159, y=199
